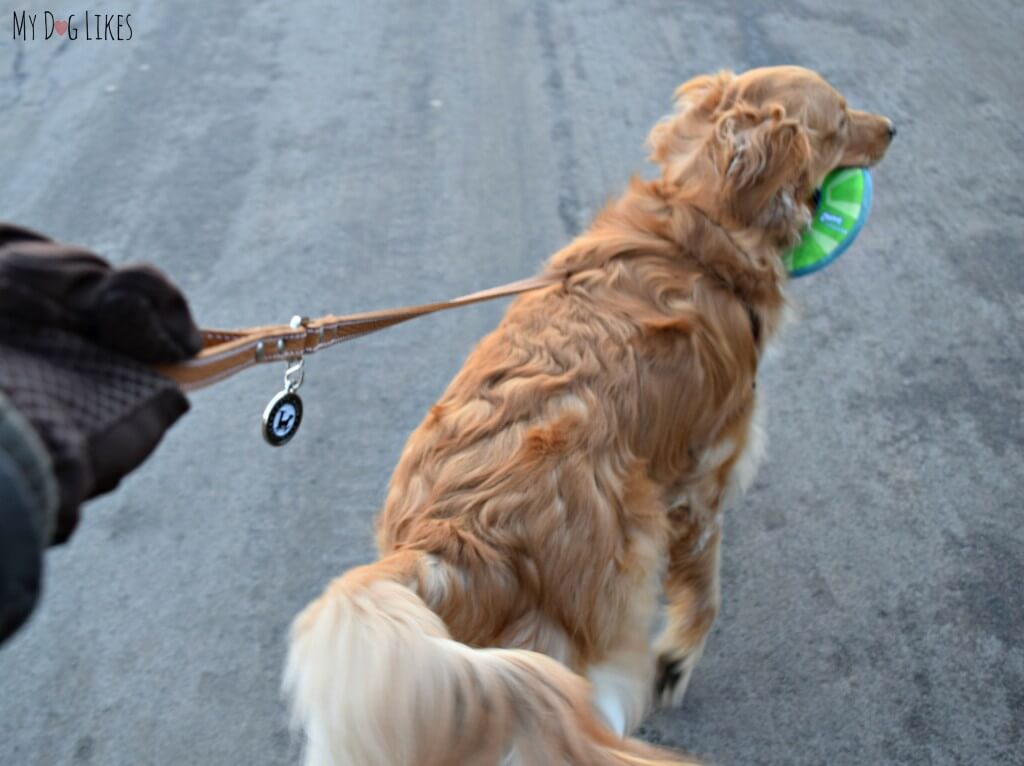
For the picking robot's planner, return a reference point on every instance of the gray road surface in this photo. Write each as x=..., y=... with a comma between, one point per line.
x=323, y=156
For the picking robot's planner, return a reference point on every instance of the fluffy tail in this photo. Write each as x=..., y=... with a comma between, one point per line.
x=375, y=680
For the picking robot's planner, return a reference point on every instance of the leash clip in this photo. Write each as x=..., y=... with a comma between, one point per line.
x=294, y=376
x=283, y=413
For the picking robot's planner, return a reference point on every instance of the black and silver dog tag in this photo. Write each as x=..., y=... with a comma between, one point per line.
x=283, y=414
x=282, y=418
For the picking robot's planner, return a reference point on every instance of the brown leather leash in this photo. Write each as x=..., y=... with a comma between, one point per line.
x=226, y=352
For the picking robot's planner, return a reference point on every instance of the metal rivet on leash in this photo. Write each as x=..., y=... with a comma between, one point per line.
x=283, y=414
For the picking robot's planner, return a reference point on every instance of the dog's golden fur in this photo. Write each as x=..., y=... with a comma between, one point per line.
x=579, y=461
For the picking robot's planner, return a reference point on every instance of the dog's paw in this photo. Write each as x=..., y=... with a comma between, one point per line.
x=672, y=676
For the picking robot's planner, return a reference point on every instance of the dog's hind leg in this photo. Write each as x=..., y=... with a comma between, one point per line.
x=621, y=680
x=691, y=579
x=622, y=688
x=692, y=589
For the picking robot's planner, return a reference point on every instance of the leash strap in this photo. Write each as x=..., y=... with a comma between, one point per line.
x=226, y=352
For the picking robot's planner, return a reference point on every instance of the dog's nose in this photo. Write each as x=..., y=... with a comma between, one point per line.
x=892, y=131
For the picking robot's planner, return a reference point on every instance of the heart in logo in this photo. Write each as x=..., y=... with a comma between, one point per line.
x=61, y=27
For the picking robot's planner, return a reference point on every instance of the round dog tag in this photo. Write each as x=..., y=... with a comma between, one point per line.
x=282, y=418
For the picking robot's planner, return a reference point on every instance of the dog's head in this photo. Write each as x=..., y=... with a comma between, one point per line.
x=750, y=149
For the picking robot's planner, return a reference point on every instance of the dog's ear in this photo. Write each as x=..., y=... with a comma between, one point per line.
x=764, y=159
x=676, y=137
x=750, y=163
x=704, y=93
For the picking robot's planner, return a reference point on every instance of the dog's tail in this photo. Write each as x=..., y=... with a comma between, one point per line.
x=374, y=678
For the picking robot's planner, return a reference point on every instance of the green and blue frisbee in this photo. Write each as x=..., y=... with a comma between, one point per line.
x=842, y=207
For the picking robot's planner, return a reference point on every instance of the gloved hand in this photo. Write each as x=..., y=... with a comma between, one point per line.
x=77, y=338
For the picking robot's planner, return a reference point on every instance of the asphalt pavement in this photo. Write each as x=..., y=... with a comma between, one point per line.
x=314, y=157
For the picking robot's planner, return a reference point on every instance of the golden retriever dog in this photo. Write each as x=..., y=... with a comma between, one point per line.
x=580, y=462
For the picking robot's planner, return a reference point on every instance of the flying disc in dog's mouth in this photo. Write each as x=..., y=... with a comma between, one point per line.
x=841, y=207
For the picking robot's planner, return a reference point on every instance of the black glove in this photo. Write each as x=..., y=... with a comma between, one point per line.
x=76, y=340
